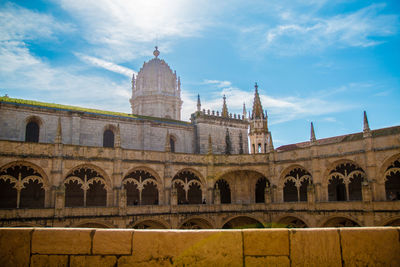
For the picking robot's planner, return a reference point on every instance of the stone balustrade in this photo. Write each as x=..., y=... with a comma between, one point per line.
x=375, y=246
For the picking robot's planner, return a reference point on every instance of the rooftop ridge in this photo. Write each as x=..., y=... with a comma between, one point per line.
x=33, y=103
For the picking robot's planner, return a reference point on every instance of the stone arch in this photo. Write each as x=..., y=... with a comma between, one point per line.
x=149, y=224
x=391, y=177
x=86, y=185
x=242, y=222
x=340, y=221
x=393, y=221
x=190, y=189
x=23, y=185
x=109, y=135
x=196, y=222
x=294, y=181
x=25, y=224
x=91, y=224
x=142, y=188
x=344, y=181
x=290, y=221
x=147, y=169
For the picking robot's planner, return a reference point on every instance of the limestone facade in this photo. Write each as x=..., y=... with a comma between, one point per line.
x=69, y=166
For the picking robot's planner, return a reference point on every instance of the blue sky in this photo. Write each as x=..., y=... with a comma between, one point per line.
x=314, y=60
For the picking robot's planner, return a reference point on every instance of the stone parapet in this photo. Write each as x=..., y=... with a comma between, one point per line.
x=374, y=246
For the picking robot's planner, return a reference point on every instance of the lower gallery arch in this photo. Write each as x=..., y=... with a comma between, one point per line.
x=242, y=222
x=196, y=223
x=91, y=224
x=340, y=222
x=393, y=222
x=149, y=224
x=291, y=222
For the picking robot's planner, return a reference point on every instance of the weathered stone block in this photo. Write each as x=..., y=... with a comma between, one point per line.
x=112, y=241
x=93, y=261
x=266, y=242
x=49, y=261
x=197, y=248
x=279, y=261
x=311, y=247
x=15, y=246
x=61, y=241
x=370, y=246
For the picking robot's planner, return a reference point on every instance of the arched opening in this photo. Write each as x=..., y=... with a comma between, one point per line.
x=188, y=188
x=85, y=187
x=340, y=222
x=395, y=222
x=108, y=138
x=260, y=189
x=32, y=195
x=296, y=184
x=150, y=194
x=96, y=194
x=32, y=132
x=225, y=191
x=242, y=222
x=336, y=189
x=259, y=148
x=290, y=191
x=73, y=194
x=292, y=222
x=141, y=188
x=172, y=143
x=345, y=182
x=21, y=186
x=149, y=224
x=196, y=223
x=8, y=194
x=392, y=181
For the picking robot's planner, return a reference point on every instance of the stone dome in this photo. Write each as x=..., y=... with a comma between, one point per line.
x=156, y=77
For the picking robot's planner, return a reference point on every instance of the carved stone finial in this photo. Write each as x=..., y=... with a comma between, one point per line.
x=366, y=124
x=198, y=103
x=156, y=53
x=244, y=110
x=224, y=112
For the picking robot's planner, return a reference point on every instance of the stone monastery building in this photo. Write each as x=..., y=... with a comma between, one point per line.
x=74, y=167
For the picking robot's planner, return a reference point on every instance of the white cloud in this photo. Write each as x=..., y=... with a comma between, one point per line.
x=124, y=29
x=307, y=33
x=106, y=65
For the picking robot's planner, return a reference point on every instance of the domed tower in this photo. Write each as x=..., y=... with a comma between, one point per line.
x=260, y=137
x=156, y=91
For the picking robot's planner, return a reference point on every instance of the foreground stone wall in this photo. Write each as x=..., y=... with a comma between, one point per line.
x=253, y=247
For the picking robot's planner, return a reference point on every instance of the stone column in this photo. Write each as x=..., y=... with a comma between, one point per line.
x=217, y=196
x=366, y=192
x=122, y=201
x=174, y=196
x=59, y=201
x=267, y=195
x=310, y=194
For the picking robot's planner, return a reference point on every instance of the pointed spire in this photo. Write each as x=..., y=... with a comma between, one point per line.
x=312, y=138
x=210, y=149
x=58, y=139
x=198, y=103
x=167, y=147
x=257, y=107
x=133, y=81
x=118, y=137
x=224, y=112
x=366, y=124
x=270, y=143
x=244, y=111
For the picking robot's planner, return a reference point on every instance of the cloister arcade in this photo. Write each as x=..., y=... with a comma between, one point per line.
x=25, y=185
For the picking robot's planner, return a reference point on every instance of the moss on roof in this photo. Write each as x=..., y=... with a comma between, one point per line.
x=31, y=103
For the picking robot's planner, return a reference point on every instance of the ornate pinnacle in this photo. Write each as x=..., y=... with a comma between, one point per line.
x=257, y=107
x=244, y=110
x=312, y=137
x=198, y=103
x=366, y=124
x=224, y=112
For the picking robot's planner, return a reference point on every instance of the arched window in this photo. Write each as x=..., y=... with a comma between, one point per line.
x=141, y=188
x=172, y=143
x=392, y=181
x=188, y=188
x=295, y=185
x=108, y=138
x=32, y=132
x=345, y=182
